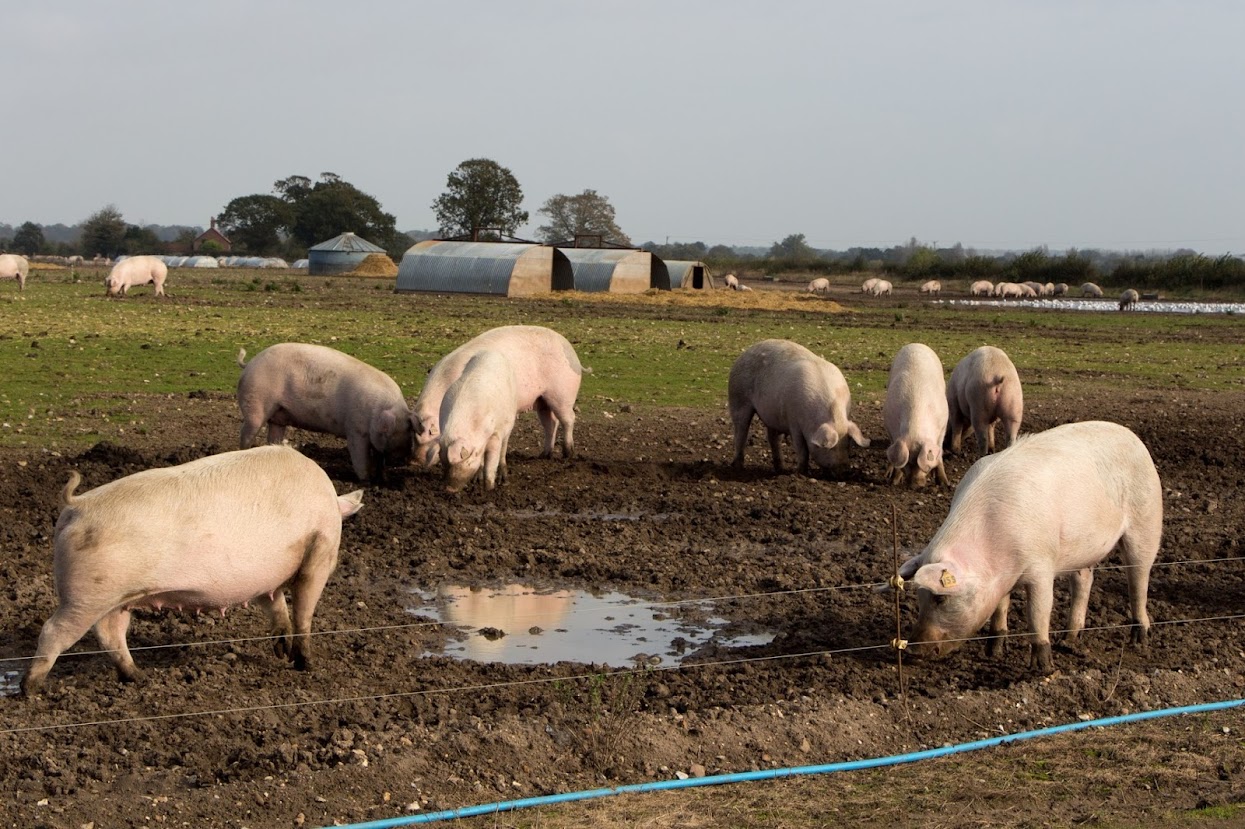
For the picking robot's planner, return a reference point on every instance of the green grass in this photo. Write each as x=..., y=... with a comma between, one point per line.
x=69, y=352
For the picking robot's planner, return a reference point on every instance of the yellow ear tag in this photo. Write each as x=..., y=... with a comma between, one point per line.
x=947, y=580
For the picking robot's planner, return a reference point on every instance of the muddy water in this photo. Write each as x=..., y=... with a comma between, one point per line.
x=1145, y=306
x=524, y=624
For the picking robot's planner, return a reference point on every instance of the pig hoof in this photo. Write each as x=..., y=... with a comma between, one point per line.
x=31, y=687
x=1140, y=636
x=129, y=674
x=995, y=647
x=301, y=662
x=1041, y=658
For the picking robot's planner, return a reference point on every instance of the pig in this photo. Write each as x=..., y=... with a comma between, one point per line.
x=219, y=531
x=16, y=267
x=477, y=417
x=547, y=372
x=819, y=285
x=1009, y=290
x=867, y=286
x=743, y=287
x=1061, y=289
x=796, y=393
x=1090, y=289
x=731, y=281
x=981, y=287
x=882, y=288
x=1047, y=290
x=1098, y=490
x=1128, y=299
x=1036, y=287
x=323, y=390
x=984, y=389
x=915, y=414
x=136, y=270
x=932, y=287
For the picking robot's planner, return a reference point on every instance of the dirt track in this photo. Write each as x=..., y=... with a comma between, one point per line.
x=442, y=733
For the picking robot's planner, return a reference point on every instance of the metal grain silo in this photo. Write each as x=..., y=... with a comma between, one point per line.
x=615, y=270
x=498, y=268
x=340, y=254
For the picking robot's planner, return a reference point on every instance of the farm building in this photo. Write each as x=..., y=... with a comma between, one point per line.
x=620, y=271
x=685, y=273
x=213, y=239
x=499, y=268
x=340, y=254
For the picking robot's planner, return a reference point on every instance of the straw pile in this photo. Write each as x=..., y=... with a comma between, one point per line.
x=375, y=264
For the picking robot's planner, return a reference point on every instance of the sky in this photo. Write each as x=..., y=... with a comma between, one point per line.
x=996, y=124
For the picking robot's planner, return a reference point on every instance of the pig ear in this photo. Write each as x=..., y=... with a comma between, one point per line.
x=941, y=578
x=853, y=431
x=825, y=438
x=897, y=454
x=909, y=567
x=350, y=503
x=385, y=422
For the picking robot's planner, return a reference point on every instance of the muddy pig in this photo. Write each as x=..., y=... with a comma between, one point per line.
x=218, y=531
x=323, y=390
x=796, y=393
x=136, y=270
x=477, y=416
x=915, y=414
x=984, y=389
x=547, y=374
x=1098, y=491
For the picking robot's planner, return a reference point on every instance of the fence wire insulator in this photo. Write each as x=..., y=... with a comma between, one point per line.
x=899, y=644
x=897, y=581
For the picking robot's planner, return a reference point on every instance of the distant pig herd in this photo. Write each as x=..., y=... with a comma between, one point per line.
x=248, y=525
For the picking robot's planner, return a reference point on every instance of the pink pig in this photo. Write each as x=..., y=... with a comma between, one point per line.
x=136, y=270
x=547, y=376
x=915, y=414
x=477, y=416
x=1098, y=491
x=218, y=531
x=984, y=389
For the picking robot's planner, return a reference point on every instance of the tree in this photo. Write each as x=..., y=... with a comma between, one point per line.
x=28, y=239
x=332, y=206
x=480, y=194
x=141, y=240
x=256, y=223
x=588, y=212
x=793, y=249
x=103, y=232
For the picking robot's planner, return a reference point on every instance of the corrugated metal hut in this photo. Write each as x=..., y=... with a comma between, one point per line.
x=498, y=268
x=620, y=271
x=686, y=273
x=338, y=255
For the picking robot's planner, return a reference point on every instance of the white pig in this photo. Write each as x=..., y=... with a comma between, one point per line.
x=136, y=270
x=982, y=287
x=868, y=285
x=1128, y=299
x=819, y=285
x=984, y=389
x=16, y=267
x=1090, y=289
x=477, y=417
x=219, y=531
x=547, y=373
x=731, y=281
x=323, y=390
x=915, y=414
x=796, y=393
x=933, y=286
x=1098, y=491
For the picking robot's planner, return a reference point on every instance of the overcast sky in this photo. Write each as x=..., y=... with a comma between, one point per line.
x=996, y=124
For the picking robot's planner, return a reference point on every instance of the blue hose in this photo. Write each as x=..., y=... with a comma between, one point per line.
x=771, y=774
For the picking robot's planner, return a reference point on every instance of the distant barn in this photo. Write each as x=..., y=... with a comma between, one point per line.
x=686, y=273
x=617, y=270
x=340, y=254
x=498, y=268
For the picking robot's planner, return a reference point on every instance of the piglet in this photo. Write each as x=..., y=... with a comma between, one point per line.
x=1055, y=503
x=219, y=531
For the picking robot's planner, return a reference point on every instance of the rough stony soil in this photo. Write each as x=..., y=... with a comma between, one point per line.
x=221, y=733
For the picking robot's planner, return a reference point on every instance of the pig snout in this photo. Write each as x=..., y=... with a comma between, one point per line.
x=931, y=642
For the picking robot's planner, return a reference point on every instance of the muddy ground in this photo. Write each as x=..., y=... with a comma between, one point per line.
x=223, y=734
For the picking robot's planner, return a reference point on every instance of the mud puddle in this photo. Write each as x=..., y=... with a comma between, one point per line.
x=521, y=624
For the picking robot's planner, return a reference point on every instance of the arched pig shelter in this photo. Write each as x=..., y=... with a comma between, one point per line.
x=615, y=270
x=686, y=273
x=499, y=268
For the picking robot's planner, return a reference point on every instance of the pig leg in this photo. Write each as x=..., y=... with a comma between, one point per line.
x=940, y=472
x=984, y=433
x=800, y=445
x=1013, y=430
x=955, y=428
x=1041, y=599
x=775, y=446
x=502, y=472
x=306, y=589
x=110, y=631
x=1140, y=546
x=491, y=461
x=741, y=419
x=360, y=449
x=66, y=626
x=279, y=623
x=998, y=627
x=1082, y=581
x=548, y=422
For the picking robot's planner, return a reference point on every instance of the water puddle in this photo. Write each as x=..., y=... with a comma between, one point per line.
x=519, y=624
x=10, y=683
x=1144, y=306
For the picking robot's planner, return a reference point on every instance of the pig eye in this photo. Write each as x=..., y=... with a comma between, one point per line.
x=941, y=598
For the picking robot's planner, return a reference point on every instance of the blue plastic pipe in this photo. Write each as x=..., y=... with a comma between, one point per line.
x=772, y=774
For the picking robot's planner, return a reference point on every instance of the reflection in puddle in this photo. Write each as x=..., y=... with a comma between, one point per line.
x=10, y=683
x=1150, y=306
x=521, y=624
